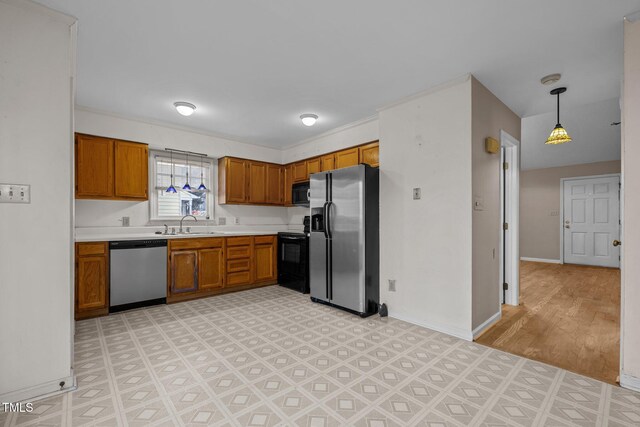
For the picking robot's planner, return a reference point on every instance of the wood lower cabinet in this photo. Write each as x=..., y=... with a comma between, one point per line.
x=265, y=259
x=239, y=257
x=111, y=169
x=92, y=280
x=183, y=265
x=210, y=268
x=369, y=154
x=346, y=158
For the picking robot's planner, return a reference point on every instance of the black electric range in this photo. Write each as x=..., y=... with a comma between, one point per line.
x=293, y=259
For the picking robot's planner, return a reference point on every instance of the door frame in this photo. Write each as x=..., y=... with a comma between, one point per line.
x=510, y=254
x=573, y=178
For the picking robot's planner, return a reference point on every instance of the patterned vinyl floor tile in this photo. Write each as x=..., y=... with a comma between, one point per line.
x=271, y=357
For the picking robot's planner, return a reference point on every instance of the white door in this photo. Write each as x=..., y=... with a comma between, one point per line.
x=592, y=221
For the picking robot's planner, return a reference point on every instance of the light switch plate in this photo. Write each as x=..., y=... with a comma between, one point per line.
x=417, y=193
x=222, y=220
x=15, y=193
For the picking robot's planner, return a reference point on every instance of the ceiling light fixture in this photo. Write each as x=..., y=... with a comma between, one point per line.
x=309, y=119
x=185, y=108
x=558, y=134
x=551, y=79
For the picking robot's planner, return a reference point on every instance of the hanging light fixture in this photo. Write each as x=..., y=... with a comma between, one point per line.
x=171, y=188
x=558, y=134
x=201, y=187
x=186, y=186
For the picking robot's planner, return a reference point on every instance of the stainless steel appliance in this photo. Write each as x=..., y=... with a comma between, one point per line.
x=300, y=194
x=344, y=242
x=138, y=272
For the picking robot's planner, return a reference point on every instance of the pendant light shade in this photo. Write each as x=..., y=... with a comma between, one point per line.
x=558, y=135
x=186, y=185
x=171, y=188
x=201, y=187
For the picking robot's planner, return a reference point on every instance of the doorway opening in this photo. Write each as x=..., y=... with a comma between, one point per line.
x=509, y=282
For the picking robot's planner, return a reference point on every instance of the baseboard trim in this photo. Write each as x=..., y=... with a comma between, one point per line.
x=630, y=382
x=486, y=324
x=548, y=261
x=40, y=391
x=445, y=329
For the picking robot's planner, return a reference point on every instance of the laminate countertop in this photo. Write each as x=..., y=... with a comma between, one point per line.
x=109, y=237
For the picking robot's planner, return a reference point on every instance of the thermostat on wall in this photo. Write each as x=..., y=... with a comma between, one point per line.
x=15, y=193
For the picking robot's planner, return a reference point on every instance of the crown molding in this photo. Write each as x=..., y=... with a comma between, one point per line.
x=333, y=131
x=633, y=17
x=37, y=7
x=433, y=89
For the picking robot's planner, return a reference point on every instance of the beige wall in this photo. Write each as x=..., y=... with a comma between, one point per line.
x=540, y=206
x=489, y=116
x=630, y=351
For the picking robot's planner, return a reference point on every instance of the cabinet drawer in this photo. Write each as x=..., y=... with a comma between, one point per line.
x=196, y=243
x=237, y=279
x=261, y=240
x=85, y=249
x=237, y=265
x=238, y=241
x=234, y=252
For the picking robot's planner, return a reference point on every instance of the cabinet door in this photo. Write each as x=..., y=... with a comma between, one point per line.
x=300, y=172
x=257, y=182
x=288, y=184
x=91, y=283
x=184, y=271
x=313, y=166
x=346, y=158
x=328, y=162
x=210, y=269
x=131, y=170
x=264, y=264
x=369, y=154
x=237, y=181
x=275, y=186
x=94, y=167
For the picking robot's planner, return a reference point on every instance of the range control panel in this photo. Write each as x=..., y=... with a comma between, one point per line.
x=15, y=193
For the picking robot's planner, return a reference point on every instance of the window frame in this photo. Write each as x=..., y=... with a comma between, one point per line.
x=153, y=179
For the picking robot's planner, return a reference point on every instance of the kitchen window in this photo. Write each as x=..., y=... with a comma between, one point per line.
x=170, y=206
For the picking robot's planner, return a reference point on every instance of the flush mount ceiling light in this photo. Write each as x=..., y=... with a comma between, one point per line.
x=309, y=119
x=551, y=79
x=558, y=134
x=185, y=108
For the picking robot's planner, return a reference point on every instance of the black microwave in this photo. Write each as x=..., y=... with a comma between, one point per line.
x=300, y=194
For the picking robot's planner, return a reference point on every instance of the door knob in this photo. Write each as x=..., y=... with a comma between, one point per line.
x=617, y=243
x=567, y=226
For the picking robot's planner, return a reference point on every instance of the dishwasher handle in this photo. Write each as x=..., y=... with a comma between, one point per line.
x=133, y=244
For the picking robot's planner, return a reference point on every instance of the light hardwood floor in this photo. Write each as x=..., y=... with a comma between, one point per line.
x=569, y=317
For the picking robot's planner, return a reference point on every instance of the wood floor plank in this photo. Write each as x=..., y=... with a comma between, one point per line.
x=569, y=316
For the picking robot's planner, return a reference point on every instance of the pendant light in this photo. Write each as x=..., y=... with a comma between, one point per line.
x=171, y=188
x=201, y=187
x=186, y=186
x=558, y=134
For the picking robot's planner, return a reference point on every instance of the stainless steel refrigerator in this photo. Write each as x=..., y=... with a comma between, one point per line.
x=344, y=242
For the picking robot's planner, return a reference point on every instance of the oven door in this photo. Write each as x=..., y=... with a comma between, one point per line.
x=300, y=194
x=293, y=262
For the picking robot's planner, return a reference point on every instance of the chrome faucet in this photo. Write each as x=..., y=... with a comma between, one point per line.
x=180, y=230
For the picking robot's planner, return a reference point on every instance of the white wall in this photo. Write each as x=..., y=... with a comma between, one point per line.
x=630, y=340
x=426, y=244
x=99, y=213
x=36, y=52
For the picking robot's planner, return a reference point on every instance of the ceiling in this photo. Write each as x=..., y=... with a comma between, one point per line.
x=594, y=139
x=253, y=66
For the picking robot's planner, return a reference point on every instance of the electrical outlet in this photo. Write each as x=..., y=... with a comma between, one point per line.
x=222, y=220
x=236, y=220
x=417, y=193
x=392, y=285
x=125, y=221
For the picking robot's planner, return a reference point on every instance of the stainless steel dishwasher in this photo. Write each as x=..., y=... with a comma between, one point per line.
x=138, y=273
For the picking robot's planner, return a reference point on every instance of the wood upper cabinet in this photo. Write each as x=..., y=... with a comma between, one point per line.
x=328, y=162
x=300, y=172
x=111, y=169
x=313, y=166
x=184, y=271
x=131, y=170
x=94, y=167
x=346, y=158
x=288, y=185
x=265, y=259
x=92, y=280
x=257, y=182
x=275, y=184
x=233, y=180
x=369, y=154
x=210, y=268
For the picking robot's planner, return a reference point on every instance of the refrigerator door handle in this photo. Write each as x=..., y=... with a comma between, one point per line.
x=325, y=213
x=327, y=219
